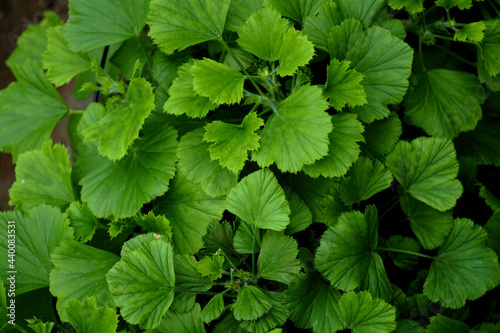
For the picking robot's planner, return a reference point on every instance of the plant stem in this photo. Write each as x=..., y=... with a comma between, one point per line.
x=445, y=37
x=470, y=63
x=71, y=112
x=406, y=252
x=420, y=54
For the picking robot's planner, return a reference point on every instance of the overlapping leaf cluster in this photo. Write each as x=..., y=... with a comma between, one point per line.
x=243, y=168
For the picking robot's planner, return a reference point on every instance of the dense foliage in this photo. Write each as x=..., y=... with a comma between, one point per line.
x=256, y=166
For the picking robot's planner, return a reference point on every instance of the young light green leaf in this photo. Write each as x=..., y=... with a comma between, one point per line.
x=251, y=303
x=296, y=51
x=118, y=129
x=158, y=224
x=61, y=63
x=183, y=99
x=219, y=83
x=490, y=47
x=84, y=30
x=314, y=303
x=464, y=268
x=42, y=176
x=31, y=97
x=440, y=323
x=346, y=256
x=448, y=4
x=189, y=211
x=300, y=214
x=187, y=278
x=472, y=32
x=239, y=11
x=195, y=162
x=262, y=34
x=318, y=27
x=278, y=258
x=275, y=317
x=38, y=232
x=87, y=317
x=142, y=283
x=429, y=225
x=297, y=10
x=441, y=111
x=411, y=6
x=343, y=147
x=178, y=25
x=213, y=309
x=211, y=266
x=361, y=313
x=230, y=143
x=82, y=220
x=39, y=326
x=247, y=239
x=365, y=10
x=120, y=189
x=181, y=322
x=79, y=270
x=365, y=179
x=343, y=85
x=402, y=260
x=258, y=199
x=382, y=135
x=427, y=169
x=297, y=133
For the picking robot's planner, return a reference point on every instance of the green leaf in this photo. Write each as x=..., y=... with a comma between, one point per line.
x=134, y=243
x=346, y=256
x=178, y=25
x=464, y=268
x=297, y=10
x=31, y=98
x=42, y=176
x=61, y=63
x=297, y=133
x=427, y=169
x=448, y=4
x=441, y=111
x=258, y=199
x=472, y=32
x=314, y=303
x=183, y=99
x=231, y=143
x=37, y=233
x=133, y=50
x=296, y=51
x=489, y=328
x=247, y=239
x=251, y=303
x=343, y=37
x=79, y=270
x=262, y=34
x=440, y=323
x=120, y=126
x=361, y=313
x=219, y=83
x=278, y=257
x=411, y=6
x=312, y=191
x=318, y=27
x=142, y=283
x=82, y=220
x=187, y=322
x=493, y=229
x=482, y=143
x=39, y=326
x=195, y=162
x=402, y=260
x=489, y=198
x=364, y=10
x=187, y=278
x=490, y=47
x=211, y=266
x=275, y=317
x=155, y=223
x=84, y=30
x=213, y=309
x=220, y=236
x=87, y=317
x=239, y=11
x=189, y=211
x=365, y=179
x=343, y=148
x=120, y=189
x=343, y=85
x=300, y=214
x=382, y=135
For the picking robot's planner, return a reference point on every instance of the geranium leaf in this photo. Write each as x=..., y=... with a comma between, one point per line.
x=278, y=257
x=365, y=10
x=409, y=326
x=183, y=99
x=343, y=147
x=251, y=303
x=178, y=25
x=187, y=278
x=39, y=326
x=213, y=309
x=247, y=239
x=427, y=169
x=79, y=270
x=38, y=232
x=318, y=27
x=489, y=198
x=342, y=37
x=84, y=30
x=297, y=10
x=189, y=211
x=490, y=47
x=211, y=266
x=31, y=97
x=441, y=111
x=296, y=51
x=87, y=317
x=185, y=322
x=364, y=179
x=439, y=323
x=473, y=32
x=220, y=236
x=411, y=6
x=43, y=176
x=297, y=133
x=493, y=229
x=343, y=85
x=402, y=260
x=142, y=283
x=482, y=143
x=239, y=11
x=363, y=314
x=275, y=317
x=219, y=83
x=230, y=143
x=154, y=223
x=448, y=4
x=300, y=214
x=259, y=200
x=382, y=135
x=120, y=126
x=196, y=164
x=82, y=220
x=464, y=268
